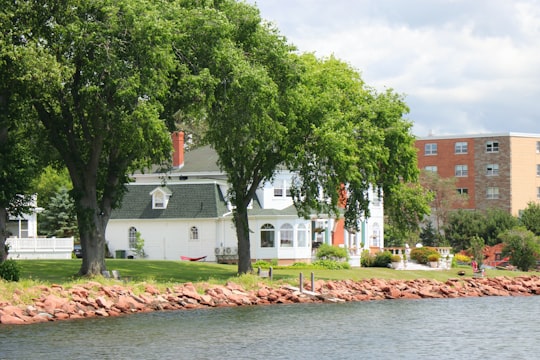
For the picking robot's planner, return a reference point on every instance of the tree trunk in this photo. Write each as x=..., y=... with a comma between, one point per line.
x=92, y=223
x=242, y=234
x=3, y=234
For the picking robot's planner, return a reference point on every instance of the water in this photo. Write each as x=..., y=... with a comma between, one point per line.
x=469, y=328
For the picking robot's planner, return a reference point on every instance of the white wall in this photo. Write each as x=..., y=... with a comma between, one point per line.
x=168, y=239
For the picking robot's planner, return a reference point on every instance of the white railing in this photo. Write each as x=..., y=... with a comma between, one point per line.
x=40, y=248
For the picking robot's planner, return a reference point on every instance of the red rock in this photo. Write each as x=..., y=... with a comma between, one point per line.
x=151, y=290
x=11, y=320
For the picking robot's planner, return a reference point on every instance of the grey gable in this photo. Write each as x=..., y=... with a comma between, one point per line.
x=188, y=201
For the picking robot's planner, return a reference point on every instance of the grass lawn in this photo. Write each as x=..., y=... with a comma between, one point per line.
x=163, y=271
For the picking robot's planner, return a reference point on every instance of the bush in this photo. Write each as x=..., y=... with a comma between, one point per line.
x=331, y=264
x=462, y=259
x=329, y=252
x=9, y=270
x=433, y=257
x=396, y=258
x=367, y=260
x=422, y=254
x=381, y=259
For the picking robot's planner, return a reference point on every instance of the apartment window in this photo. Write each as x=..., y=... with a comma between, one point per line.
x=193, y=233
x=430, y=149
x=538, y=192
x=537, y=169
x=431, y=168
x=538, y=147
x=492, y=146
x=267, y=235
x=492, y=170
x=461, y=148
x=132, y=237
x=462, y=170
x=492, y=193
x=463, y=191
x=286, y=235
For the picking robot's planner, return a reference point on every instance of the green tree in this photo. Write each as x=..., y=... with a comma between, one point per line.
x=530, y=218
x=477, y=249
x=461, y=226
x=522, y=246
x=429, y=235
x=497, y=221
x=98, y=84
x=60, y=218
x=19, y=158
x=49, y=183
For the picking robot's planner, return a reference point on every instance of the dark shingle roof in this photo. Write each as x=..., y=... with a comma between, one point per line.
x=188, y=201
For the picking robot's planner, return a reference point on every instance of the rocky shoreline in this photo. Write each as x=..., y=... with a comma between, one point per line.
x=95, y=299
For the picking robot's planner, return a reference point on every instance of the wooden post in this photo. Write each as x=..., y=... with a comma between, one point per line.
x=312, y=281
x=301, y=282
x=270, y=273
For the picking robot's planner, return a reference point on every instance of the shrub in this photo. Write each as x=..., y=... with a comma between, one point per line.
x=433, y=257
x=396, y=258
x=330, y=252
x=331, y=264
x=383, y=259
x=367, y=260
x=462, y=259
x=262, y=264
x=9, y=270
x=421, y=254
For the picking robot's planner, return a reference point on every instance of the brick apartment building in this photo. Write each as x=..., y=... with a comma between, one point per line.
x=495, y=170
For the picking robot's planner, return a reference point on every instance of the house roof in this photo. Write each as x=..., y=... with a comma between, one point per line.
x=203, y=159
x=190, y=201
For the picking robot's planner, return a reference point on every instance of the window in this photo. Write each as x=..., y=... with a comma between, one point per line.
x=463, y=191
x=537, y=170
x=492, y=170
x=267, y=235
x=431, y=168
x=159, y=200
x=462, y=170
x=160, y=197
x=286, y=235
x=538, y=192
x=538, y=147
x=281, y=188
x=430, y=149
x=193, y=234
x=492, y=193
x=492, y=146
x=302, y=235
x=461, y=148
x=132, y=237
x=376, y=235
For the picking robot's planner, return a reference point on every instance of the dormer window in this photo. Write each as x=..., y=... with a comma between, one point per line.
x=160, y=197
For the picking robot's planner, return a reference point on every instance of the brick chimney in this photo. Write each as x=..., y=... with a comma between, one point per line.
x=178, y=146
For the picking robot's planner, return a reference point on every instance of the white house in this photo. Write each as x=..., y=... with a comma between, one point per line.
x=184, y=212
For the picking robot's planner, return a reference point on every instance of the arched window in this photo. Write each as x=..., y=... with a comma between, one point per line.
x=267, y=235
x=286, y=235
x=193, y=234
x=132, y=237
x=302, y=235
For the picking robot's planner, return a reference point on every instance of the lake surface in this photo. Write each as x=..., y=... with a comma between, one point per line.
x=468, y=328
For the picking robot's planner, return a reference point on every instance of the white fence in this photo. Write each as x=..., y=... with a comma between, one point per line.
x=40, y=248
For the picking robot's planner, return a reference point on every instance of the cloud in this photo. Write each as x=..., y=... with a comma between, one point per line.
x=464, y=66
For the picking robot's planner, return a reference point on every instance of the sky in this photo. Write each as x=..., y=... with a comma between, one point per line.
x=463, y=66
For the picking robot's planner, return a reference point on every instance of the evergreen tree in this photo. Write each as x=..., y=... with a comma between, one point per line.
x=60, y=218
